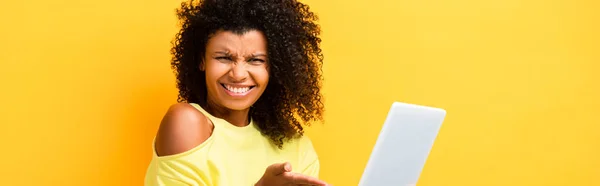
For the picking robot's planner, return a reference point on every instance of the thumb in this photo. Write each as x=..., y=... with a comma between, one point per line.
x=279, y=168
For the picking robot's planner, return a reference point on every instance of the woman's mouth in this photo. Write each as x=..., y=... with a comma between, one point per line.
x=237, y=90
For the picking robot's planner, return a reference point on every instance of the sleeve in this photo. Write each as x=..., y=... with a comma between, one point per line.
x=181, y=169
x=163, y=180
x=175, y=173
x=312, y=169
x=309, y=159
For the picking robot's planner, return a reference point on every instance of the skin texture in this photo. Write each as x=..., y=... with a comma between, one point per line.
x=183, y=127
x=235, y=61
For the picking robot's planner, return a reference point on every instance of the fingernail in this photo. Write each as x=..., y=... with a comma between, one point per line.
x=287, y=167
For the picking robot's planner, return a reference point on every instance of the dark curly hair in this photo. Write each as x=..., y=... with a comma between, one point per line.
x=292, y=97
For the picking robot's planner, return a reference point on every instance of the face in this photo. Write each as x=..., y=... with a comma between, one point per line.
x=236, y=68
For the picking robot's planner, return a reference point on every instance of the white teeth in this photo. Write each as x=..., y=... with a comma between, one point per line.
x=236, y=89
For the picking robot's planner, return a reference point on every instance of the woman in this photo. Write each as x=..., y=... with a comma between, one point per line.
x=248, y=74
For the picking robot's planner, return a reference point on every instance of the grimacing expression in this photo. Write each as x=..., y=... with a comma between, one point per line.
x=236, y=68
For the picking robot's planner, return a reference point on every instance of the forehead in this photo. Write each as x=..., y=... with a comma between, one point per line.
x=249, y=42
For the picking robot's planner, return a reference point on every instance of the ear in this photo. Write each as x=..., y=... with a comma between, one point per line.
x=202, y=65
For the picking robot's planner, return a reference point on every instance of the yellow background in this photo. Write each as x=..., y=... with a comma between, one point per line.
x=85, y=84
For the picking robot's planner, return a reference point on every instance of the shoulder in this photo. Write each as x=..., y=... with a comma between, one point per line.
x=182, y=128
x=306, y=144
x=300, y=144
x=304, y=141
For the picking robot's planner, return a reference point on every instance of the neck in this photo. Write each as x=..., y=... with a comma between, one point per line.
x=238, y=118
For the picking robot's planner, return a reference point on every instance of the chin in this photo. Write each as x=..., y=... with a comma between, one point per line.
x=236, y=105
x=237, y=108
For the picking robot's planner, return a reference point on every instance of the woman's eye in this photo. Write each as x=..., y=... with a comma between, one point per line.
x=223, y=58
x=256, y=60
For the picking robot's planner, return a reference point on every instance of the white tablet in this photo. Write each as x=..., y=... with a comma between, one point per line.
x=403, y=145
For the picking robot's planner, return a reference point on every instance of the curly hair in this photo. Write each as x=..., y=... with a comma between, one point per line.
x=292, y=98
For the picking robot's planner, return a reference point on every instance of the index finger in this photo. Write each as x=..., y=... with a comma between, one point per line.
x=296, y=178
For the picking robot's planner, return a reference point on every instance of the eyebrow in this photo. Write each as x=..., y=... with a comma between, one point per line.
x=222, y=52
x=258, y=55
x=252, y=55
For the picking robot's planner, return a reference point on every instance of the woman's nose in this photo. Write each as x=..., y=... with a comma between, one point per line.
x=238, y=72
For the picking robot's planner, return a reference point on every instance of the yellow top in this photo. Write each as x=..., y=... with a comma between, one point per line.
x=231, y=156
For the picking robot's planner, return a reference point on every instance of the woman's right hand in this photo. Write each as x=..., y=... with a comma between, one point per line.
x=280, y=174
